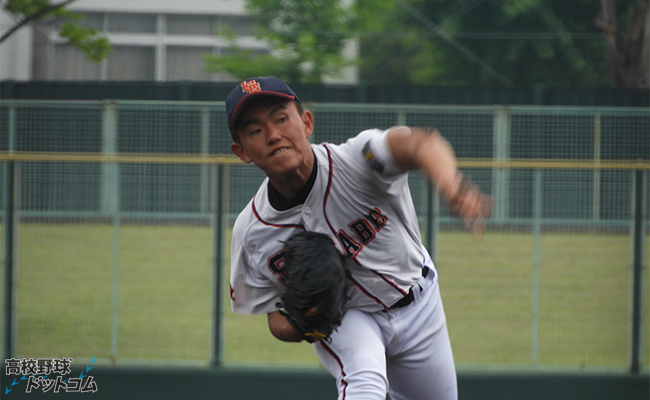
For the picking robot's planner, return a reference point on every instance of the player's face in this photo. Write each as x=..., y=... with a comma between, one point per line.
x=274, y=136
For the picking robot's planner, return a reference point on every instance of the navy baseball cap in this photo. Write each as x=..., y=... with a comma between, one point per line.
x=250, y=89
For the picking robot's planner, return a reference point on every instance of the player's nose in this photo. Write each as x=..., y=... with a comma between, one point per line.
x=273, y=134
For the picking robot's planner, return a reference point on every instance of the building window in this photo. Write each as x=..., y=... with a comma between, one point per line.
x=90, y=21
x=191, y=24
x=242, y=26
x=131, y=23
x=131, y=63
x=146, y=47
x=71, y=64
x=210, y=24
x=186, y=63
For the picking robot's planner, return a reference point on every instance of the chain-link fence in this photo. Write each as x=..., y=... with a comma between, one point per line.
x=121, y=211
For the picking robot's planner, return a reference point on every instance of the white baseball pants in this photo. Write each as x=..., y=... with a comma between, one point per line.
x=404, y=352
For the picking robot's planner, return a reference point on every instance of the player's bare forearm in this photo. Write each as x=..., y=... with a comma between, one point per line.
x=427, y=150
x=281, y=328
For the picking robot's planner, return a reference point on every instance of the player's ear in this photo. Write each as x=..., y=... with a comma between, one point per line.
x=308, y=122
x=239, y=151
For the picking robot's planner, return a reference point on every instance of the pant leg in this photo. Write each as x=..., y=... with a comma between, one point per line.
x=420, y=363
x=356, y=358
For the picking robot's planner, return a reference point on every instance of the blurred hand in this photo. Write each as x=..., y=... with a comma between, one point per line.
x=472, y=206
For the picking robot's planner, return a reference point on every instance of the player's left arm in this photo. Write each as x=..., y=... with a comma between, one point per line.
x=427, y=150
x=281, y=328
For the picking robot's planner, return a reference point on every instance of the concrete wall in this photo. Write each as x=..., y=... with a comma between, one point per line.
x=16, y=51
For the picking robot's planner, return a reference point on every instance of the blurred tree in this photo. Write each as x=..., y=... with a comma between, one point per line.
x=95, y=47
x=307, y=38
x=627, y=55
x=518, y=42
x=449, y=42
x=478, y=42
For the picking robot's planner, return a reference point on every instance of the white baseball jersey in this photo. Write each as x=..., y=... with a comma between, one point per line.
x=361, y=199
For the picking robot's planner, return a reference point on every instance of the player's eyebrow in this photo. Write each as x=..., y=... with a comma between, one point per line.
x=273, y=111
x=276, y=109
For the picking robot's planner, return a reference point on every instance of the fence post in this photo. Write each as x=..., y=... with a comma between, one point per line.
x=110, y=207
x=8, y=314
x=114, y=181
x=638, y=202
x=597, y=157
x=501, y=152
x=219, y=202
x=205, y=168
x=401, y=117
x=538, y=94
x=109, y=192
x=537, y=231
x=433, y=220
x=9, y=246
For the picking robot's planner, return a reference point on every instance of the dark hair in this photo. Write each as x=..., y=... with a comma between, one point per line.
x=235, y=135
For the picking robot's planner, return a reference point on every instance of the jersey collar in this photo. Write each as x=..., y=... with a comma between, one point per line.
x=282, y=204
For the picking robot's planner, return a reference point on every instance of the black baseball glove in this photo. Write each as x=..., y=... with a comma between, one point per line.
x=316, y=285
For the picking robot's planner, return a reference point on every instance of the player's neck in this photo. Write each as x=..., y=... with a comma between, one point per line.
x=288, y=185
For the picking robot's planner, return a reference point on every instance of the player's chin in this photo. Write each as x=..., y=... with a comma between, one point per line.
x=284, y=165
x=278, y=170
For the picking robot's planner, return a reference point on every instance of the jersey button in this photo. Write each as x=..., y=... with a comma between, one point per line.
x=307, y=210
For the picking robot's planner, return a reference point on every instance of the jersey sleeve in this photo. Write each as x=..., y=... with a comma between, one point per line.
x=377, y=153
x=250, y=291
x=369, y=154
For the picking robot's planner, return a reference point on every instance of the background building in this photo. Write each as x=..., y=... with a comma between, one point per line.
x=152, y=40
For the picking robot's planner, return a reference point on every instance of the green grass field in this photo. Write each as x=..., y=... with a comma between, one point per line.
x=164, y=309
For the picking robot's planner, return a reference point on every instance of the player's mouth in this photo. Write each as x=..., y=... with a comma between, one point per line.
x=278, y=151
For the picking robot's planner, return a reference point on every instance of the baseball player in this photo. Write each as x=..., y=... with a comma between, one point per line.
x=393, y=337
